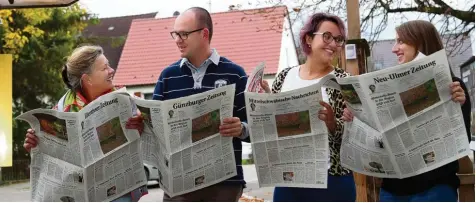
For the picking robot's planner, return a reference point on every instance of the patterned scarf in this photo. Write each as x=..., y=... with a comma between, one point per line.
x=74, y=102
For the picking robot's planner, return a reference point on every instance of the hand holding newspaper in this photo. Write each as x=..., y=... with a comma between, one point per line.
x=405, y=121
x=254, y=81
x=182, y=140
x=289, y=141
x=85, y=156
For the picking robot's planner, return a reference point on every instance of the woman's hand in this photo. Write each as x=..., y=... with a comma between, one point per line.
x=136, y=122
x=347, y=115
x=31, y=140
x=265, y=86
x=457, y=93
x=326, y=114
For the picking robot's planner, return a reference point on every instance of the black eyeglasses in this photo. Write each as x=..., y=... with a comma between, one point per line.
x=327, y=37
x=183, y=35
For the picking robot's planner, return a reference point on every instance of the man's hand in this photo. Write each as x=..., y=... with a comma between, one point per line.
x=231, y=127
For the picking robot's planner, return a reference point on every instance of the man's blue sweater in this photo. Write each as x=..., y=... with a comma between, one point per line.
x=177, y=81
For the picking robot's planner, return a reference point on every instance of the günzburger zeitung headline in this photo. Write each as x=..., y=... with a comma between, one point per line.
x=199, y=101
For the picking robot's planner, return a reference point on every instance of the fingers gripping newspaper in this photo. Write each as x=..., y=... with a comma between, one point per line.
x=405, y=122
x=85, y=156
x=254, y=81
x=184, y=142
x=289, y=141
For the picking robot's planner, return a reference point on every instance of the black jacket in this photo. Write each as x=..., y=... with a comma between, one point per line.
x=443, y=175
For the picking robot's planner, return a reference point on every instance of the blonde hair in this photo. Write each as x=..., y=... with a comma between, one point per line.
x=80, y=62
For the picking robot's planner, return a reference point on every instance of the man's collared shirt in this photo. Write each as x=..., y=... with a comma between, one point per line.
x=199, y=72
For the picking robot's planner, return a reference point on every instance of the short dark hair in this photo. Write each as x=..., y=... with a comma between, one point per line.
x=314, y=23
x=204, y=19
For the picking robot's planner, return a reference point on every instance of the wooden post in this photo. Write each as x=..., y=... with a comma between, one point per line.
x=352, y=67
x=353, y=26
x=466, y=176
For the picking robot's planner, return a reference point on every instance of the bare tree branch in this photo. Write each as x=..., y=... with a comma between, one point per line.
x=442, y=9
x=458, y=23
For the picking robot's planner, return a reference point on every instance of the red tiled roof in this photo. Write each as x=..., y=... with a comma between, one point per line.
x=246, y=37
x=119, y=28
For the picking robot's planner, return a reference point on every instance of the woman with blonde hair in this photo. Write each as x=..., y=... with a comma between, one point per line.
x=441, y=184
x=87, y=75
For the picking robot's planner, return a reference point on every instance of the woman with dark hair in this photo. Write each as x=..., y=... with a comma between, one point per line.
x=441, y=184
x=87, y=75
x=322, y=39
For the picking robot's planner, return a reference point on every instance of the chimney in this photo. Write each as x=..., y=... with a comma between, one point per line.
x=176, y=13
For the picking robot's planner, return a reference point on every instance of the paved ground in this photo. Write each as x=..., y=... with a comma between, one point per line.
x=20, y=192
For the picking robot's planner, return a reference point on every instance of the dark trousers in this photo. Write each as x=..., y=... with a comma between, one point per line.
x=216, y=193
x=339, y=189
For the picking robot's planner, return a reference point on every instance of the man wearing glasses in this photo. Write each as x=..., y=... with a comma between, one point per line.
x=201, y=69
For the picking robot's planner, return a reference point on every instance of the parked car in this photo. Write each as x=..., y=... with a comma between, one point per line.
x=151, y=172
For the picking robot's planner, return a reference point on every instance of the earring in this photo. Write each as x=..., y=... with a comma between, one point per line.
x=309, y=45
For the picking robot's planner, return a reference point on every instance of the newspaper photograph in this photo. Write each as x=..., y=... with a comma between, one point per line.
x=254, y=81
x=409, y=106
x=190, y=152
x=289, y=142
x=87, y=155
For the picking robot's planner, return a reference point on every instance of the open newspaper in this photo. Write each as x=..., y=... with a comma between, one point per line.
x=85, y=156
x=254, y=81
x=290, y=143
x=182, y=140
x=405, y=122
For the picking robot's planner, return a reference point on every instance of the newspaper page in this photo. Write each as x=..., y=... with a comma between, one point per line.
x=364, y=151
x=421, y=127
x=191, y=154
x=149, y=141
x=289, y=141
x=87, y=155
x=254, y=81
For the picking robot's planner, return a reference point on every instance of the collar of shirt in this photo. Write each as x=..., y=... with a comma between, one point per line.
x=199, y=72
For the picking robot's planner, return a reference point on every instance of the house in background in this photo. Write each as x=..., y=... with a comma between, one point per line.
x=111, y=33
x=467, y=75
x=247, y=37
x=383, y=57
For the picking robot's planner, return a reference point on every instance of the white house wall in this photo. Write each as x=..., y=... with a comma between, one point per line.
x=146, y=89
x=149, y=89
x=288, y=56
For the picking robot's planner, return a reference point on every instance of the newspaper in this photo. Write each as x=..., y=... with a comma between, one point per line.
x=183, y=140
x=254, y=81
x=289, y=141
x=85, y=156
x=405, y=122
